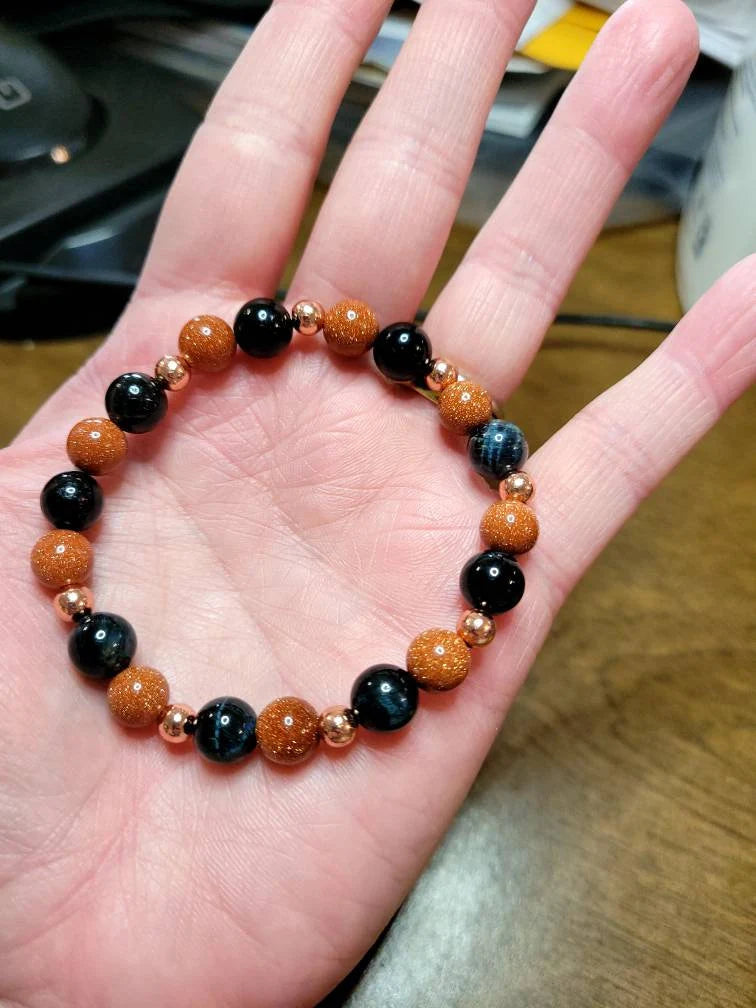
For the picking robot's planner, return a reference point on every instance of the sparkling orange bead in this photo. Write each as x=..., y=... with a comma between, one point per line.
x=73, y=601
x=207, y=343
x=173, y=371
x=138, y=696
x=517, y=486
x=464, y=405
x=438, y=659
x=287, y=730
x=173, y=723
x=96, y=445
x=60, y=558
x=476, y=629
x=510, y=526
x=441, y=374
x=308, y=317
x=350, y=328
x=338, y=726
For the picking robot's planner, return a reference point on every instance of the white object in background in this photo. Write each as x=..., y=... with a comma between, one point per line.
x=718, y=225
x=727, y=27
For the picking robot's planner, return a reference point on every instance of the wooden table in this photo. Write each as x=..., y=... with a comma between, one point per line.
x=606, y=853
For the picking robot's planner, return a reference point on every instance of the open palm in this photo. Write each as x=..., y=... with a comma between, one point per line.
x=294, y=521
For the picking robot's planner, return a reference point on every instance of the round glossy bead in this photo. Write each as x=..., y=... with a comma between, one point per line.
x=287, y=730
x=476, y=628
x=263, y=328
x=136, y=402
x=71, y=500
x=350, y=328
x=175, y=720
x=138, y=696
x=101, y=645
x=441, y=374
x=510, y=526
x=225, y=730
x=464, y=405
x=497, y=449
x=96, y=445
x=207, y=343
x=384, y=698
x=516, y=486
x=338, y=726
x=73, y=603
x=307, y=317
x=492, y=582
x=61, y=558
x=402, y=352
x=173, y=371
x=438, y=660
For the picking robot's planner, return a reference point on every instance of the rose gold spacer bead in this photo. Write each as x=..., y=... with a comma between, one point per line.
x=337, y=726
x=476, y=628
x=517, y=486
x=73, y=602
x=173, y=371
x=173, y=723
x=442, y=373
x=308, y=317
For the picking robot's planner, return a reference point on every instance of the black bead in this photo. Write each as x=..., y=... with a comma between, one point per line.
x=71, y=500
x=492, y=582
x=384, y=697
x=402, y=352
x=497, y=448
x=101, y=645
x=136, y=402
x=263, y=327
x=225, y=730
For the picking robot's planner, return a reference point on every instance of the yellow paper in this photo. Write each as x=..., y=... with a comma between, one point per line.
x=565, y=43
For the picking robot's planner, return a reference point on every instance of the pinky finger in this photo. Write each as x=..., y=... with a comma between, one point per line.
x=597, y=469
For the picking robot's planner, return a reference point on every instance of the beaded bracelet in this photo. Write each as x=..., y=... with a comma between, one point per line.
x=384, y=697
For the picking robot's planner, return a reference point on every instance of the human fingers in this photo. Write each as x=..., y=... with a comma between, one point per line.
x=492, y=315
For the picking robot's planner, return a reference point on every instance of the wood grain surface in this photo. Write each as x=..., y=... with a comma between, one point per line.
x=605, y=855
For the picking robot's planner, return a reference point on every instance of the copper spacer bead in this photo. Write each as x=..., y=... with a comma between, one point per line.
x=338, y=726
x=73, y=601
x=173, y=723
x=516, y=486
x=207, y=343
x=509, y=525
x=438, y=659
x=308, y=317
x=287, y=730
x=441, y=374
x=350, y=328
x=61, y=558
x=138, y=696
x=96, y=445
x=173, y=371
x=464, y=405
x=476, y=628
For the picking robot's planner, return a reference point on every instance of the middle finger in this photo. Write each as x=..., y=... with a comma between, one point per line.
x=393, y=201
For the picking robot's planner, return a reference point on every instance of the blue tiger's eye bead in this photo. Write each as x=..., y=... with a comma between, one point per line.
x=101, y=645
x=384, y=698
x=71, y=500
x=263, y=327
x=497, y=449
x=136, y=402
x=492, y=582
x=225, y=730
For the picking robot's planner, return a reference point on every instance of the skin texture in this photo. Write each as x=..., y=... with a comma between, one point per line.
x=295, y=520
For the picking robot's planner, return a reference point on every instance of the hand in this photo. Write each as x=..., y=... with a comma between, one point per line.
x=296, y=520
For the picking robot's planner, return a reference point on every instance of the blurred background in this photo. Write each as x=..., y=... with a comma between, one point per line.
x=606, y=853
